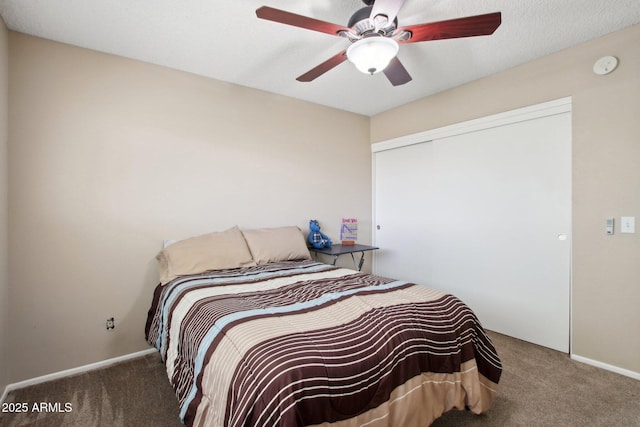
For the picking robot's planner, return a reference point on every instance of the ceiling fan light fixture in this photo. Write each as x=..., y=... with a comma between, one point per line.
x=372, y=54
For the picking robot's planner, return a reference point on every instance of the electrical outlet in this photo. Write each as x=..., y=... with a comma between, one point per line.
x=111, y=323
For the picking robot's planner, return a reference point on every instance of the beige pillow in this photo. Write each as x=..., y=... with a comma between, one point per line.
x=276, y=244
x=213, y=251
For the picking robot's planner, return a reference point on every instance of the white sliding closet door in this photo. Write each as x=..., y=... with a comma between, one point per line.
x=485, y=215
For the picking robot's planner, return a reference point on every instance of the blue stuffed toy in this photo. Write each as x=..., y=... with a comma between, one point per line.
x=316, y=238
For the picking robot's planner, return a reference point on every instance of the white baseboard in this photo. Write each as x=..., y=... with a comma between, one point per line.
x=616, y=369
x=109, y=362
x=73, y=371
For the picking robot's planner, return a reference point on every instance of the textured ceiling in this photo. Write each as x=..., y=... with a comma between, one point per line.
x=224, y=40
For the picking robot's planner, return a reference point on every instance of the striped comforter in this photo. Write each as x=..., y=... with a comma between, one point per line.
x=304, y=343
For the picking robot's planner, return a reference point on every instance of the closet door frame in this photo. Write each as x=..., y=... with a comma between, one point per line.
x=559, y=106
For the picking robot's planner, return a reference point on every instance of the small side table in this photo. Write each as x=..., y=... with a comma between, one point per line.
x=337, y=250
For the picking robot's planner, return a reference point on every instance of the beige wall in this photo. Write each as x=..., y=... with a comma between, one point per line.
x=4, y=220
x=109, y=156
x=606, y=175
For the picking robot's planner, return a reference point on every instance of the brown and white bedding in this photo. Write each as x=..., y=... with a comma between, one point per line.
x=303, y=343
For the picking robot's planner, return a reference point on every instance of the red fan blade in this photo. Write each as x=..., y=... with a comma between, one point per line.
x=396, y=73
x=327, y=65
x=289, y=18
x=479, y=25
x=388, y=8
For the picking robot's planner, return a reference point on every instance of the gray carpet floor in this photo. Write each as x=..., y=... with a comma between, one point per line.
x=539, y=387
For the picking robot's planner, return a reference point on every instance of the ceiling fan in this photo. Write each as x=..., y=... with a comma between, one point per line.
x=375, y=36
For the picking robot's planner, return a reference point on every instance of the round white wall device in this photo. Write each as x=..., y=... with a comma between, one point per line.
x=605, y=65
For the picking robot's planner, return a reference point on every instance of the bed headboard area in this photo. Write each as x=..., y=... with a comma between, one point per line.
x=231, y=248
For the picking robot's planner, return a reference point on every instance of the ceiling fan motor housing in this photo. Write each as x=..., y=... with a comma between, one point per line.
x=362, y=25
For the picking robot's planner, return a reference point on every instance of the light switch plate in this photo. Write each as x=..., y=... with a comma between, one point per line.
x=627, y=224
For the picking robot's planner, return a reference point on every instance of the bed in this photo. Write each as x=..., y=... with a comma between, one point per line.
x=269, y=337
